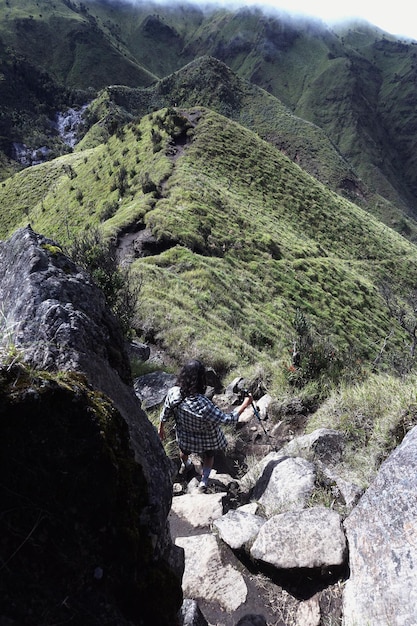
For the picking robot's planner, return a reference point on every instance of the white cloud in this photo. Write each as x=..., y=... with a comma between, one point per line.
x=397, y=18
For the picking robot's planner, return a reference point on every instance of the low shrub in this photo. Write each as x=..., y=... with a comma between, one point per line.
x=98, y=256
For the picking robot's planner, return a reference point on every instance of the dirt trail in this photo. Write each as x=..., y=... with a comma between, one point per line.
x=136, y=240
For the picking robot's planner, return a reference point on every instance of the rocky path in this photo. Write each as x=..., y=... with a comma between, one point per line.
x=259, y=543
x=224, y=589
x=226, y=584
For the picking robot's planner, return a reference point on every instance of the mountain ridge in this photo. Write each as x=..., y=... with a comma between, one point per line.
x=230, y=214
x=343, y=80
x=209, y=82
x=311, y=249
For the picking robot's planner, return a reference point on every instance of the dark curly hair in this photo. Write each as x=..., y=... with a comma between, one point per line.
x=192, y=379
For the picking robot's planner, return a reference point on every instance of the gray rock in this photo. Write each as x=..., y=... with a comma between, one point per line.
x=382, y=536
x=285, y=484
x=252, y=620
x=139, y=351
x=205, y=575
x=262, y=405
x=213, y=380
x=152, y=388
x=57, y=319
x=53, y=312
x=222, y=481
x=324, y=444
x=238, y=528
x=199, y=510
x=248, y=481
x=250, y=507
x=308, y=612
x=190, y=614
x=301, y=539
x=234, y=388
x=346, y=492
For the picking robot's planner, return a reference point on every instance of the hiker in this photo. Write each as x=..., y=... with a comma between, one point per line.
x=197, y=419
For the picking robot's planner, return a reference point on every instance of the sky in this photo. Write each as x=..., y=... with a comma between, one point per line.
x=397, y=18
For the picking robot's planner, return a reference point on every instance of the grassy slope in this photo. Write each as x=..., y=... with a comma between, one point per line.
x=374, y=415
x=209, y=82
x=250, y=238
x=395, y=61
x=153, y=34
x=80, y=53
x=345, y=88
x=364, y=100
x=294, y=243
x=345, y=84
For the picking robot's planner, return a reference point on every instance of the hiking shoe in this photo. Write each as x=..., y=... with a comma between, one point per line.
x=202, y=487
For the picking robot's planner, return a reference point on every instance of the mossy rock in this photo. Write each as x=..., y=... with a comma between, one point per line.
x=73, y=542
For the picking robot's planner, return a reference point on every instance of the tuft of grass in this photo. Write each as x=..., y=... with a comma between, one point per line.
x=170, y=443
x=374, y=416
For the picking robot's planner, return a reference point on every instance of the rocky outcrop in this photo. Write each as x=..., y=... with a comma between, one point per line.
x=279, y=535
x=199, y=509
x=86, y=485
x=382, y=536
x=290, y=532
x=239, y=528
x=285, y=484
x=207, y=577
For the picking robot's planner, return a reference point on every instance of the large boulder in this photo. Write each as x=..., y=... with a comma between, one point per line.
x=206, y=577
x=322, y=444
x=382, y=537
x=285, y=484
x=312, y=538
x=199, y=510
x=152, y=388
x=86, y=485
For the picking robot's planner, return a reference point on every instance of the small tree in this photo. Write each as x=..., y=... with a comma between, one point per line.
x=403, y=311
x=98, y=256
x=314, y=358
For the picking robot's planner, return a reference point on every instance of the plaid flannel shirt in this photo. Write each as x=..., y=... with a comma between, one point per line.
x=197, y=421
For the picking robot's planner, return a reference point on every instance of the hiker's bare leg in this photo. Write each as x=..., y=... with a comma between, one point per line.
x=185, y=464
x=183, y=456
x=208, y=460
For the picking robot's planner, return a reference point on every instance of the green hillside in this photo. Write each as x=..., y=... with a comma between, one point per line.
x=210, y=83
x=355, y=84
x=53, y=55
x=267, y=161
x=244, y=237
x=64, y=39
